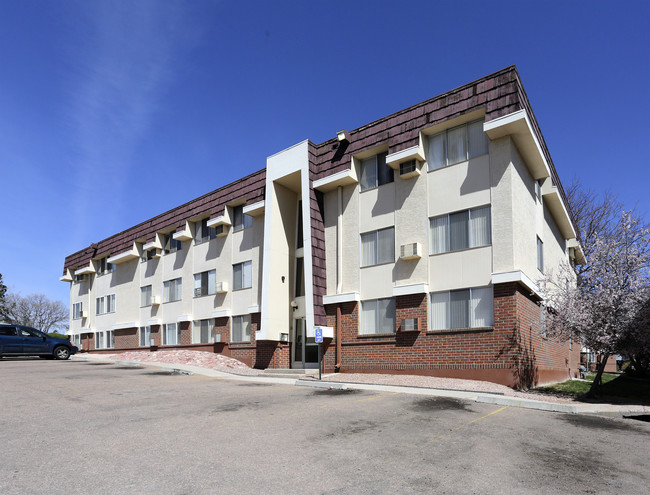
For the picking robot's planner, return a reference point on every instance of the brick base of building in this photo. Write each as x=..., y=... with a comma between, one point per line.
x=511, y=352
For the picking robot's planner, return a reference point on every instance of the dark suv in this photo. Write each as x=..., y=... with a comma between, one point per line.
x=18, y=340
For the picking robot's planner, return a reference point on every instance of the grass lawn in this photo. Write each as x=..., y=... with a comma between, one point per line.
x=618, y=388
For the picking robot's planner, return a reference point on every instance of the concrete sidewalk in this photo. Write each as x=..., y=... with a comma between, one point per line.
x=609, y=410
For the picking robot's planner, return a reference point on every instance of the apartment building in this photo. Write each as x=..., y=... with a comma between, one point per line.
x=415, y=242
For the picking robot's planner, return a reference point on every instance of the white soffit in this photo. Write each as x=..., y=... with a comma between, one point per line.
x=341, y=298
x=123, y=257
x=254, y=309
x=184, y=318
x=518, y=126
x=553, y=200
x=85, y=270
x=394, y=159
x=343, y=178
x=222, y=220
x=122, y=326
x=154, y=321
x=222, y=313
x=182, y=235
x=254, y=209
x=405, y=290
x=152, y=245
x=516, y=276
x=67, y=277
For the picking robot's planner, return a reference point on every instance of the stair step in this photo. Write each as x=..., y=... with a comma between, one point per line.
x=278, y=371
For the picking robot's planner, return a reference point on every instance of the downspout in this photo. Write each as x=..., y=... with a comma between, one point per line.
x=339, y=274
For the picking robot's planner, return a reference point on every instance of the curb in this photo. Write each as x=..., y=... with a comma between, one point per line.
x=609, y=410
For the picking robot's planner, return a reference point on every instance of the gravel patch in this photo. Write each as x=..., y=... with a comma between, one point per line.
x=202, y=359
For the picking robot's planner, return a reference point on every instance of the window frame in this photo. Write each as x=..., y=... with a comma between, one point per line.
x=246, y=318
x=175, y=287
x=380, y=178
x=241, y=284
x=470, y=234
x=147, y=336
x=104, y=267
x=203, y=233
x=471, y=311
x=210, y=287
x=363, y=331
x=240, y=220
x=540, y=255
x=77, y=310
x=106, y=338
x=377, y=259
x=147, y=294
x=106, y=304
x=199, y=324
x=171, y=245
x=177, y=333
x=444, y=135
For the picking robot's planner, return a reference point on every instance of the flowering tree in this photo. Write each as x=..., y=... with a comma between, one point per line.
x=36, y=311
x=604, y=309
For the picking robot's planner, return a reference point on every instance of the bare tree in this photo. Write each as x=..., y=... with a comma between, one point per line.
x=36, y=311
x=3, y=291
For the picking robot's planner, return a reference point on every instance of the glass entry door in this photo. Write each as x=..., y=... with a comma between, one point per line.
x=304, y=350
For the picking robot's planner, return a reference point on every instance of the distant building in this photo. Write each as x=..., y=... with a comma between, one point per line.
x=415, y=241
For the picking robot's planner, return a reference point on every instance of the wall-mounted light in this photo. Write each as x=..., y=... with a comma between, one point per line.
x=343, y=136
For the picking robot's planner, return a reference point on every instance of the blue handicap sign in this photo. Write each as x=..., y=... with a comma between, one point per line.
x=319, y=334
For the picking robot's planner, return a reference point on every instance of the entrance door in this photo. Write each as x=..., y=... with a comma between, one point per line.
x=304, y=350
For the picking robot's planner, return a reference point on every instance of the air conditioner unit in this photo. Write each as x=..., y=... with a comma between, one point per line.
x=284, y=337
x=155, y=300
x=221, y=230
x=84, y=314
x=221, y=287
x=217, y=337
x=197, y=292
x=410, y=325
x=409, y=169
x=410, y=251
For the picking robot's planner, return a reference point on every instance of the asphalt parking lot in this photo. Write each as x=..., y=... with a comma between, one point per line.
x=83, y=427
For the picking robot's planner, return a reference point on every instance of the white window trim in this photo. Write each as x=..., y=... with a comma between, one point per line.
x=246, y=319
x=243, y=264
x=470, y=309
x=376, y=246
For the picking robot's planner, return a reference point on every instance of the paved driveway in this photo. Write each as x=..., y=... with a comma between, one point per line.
x=84, y=427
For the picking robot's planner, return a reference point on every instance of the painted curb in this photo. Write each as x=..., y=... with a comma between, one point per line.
x=527, y=404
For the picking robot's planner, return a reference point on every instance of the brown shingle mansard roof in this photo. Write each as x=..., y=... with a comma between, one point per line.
x=500, y=93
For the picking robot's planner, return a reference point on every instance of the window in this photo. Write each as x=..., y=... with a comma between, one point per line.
x=105, y=304
x=464, y=308
x=243, y=275
x=105, y=340
x=378, y=316
x=241, y=328
x=457, y=145
x=8, y=331
x=203, y=233
x=375, y=172
x=299, y=286
x=171, y=334
x=240, y=220
x=540, y=255
x=171, y=245
x=76, y=340
x=378, y=247
x=538, y=189
x=172, y=290
x=103, y=266
x=203, y=332
x=145, y=296
x=77, y=311
x=460, y=230
x=147, y=255
x=204, y=283
x=145, y=336
x=77, y=279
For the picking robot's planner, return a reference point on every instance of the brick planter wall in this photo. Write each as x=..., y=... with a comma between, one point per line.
x=126, y=338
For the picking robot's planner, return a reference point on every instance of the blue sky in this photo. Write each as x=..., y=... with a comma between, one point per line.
x=112, y=112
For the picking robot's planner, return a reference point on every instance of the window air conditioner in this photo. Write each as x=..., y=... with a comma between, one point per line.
x=221, y=230
x=221, y=287
x=197, y=292
x=217, y=337
x=410, y=251
x=84, y=314
x=284, y=337
x=155, y=300
x=409, y=169
x=410, y=325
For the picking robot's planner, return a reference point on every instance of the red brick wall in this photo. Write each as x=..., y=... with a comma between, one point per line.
x=186, y=333
x=512, y=352
x=126, y=338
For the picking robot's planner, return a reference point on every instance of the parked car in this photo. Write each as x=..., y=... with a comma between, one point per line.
x=19, y=340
